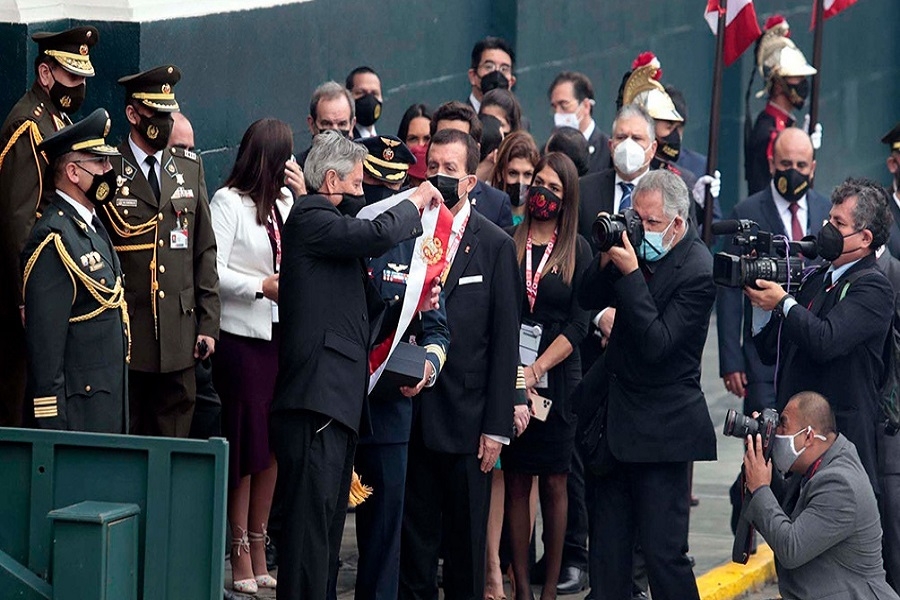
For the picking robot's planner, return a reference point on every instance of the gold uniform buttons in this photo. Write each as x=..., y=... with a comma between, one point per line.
x=125, y=212
x=162, y=294
x=87, y=388
x=103, y=281
x=161, y=242
x=162, y=268
x=160, y=217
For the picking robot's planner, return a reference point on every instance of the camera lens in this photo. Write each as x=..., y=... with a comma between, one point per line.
x=739, y=425
x=607, y=232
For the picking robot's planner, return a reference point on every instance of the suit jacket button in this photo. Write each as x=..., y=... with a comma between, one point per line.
x=162, y=294
x=87, y=388
x=103, y=281
x=162, y=268
x=365, y=317
x=161, y=242
x=160, y=216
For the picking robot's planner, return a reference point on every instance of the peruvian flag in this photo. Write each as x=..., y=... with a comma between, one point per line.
x=832, y=7
x=741, y=26
x=436, y=226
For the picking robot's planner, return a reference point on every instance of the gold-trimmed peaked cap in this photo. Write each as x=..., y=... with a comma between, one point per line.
x=892, y=138
x=154, y=88
x=87, y=135
x=643, y=88
x=388, y=158
x=70, y=48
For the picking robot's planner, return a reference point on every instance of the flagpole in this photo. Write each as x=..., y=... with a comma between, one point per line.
x=817, y=64
x=712, y=155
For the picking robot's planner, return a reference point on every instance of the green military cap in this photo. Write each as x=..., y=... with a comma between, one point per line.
x=70, y=48
x=153, y=88
x=388, y=158
x=892, y=138
x=87, y=135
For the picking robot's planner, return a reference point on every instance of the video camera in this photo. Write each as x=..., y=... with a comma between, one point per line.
x=764, y=255
x=608, y=229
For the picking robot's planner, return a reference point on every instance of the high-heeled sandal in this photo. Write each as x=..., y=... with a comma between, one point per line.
x=249, y=585
x=263, y=581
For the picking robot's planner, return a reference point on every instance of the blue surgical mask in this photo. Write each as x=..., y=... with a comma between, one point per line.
x=653, y=248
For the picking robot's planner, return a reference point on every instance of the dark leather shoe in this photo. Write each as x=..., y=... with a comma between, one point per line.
x=571, y=581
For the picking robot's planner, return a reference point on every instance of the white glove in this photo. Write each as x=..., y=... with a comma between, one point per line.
x=715, y=186
x=816, y=135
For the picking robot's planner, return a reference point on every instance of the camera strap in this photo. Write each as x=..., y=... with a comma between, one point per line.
x=531, y=284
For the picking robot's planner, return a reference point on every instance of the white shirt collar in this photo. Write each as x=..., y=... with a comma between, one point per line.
x=461, y=216
x=896, y=196
x=590, y=129
x=83, y=211
x=838, y=272
x=633, y=181
x=366, y=132
x=475, y=102
x=140, y=156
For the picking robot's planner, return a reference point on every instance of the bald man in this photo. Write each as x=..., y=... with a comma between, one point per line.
x=829, y=546
x=182, y=135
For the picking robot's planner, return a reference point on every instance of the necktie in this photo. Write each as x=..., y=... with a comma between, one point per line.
x=627, y=188
x=151, y=176
x=828, y=282
x=796, y=228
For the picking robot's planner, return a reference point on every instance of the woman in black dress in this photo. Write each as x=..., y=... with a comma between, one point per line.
x=553, y=258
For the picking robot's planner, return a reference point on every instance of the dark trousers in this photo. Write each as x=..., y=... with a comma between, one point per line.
x=12, y=364
x=446, y=495
x=648, y=504
x=162, y=404
x=575, y=551
x=315, y=463
x=889, y=505
x=379, y=520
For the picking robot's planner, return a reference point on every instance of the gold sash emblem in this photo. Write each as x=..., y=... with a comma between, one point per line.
x=432, y=250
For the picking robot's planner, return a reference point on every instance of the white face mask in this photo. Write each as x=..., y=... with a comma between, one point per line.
x=629, y=156
x=784, y=455
x=566, y=120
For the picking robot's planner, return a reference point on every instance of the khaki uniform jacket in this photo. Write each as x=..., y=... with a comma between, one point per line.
x=76, y=336
x=172, y=293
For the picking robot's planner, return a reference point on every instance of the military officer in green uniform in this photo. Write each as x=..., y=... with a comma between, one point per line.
x=160, y=224
x=61, y=67
x=76, y=320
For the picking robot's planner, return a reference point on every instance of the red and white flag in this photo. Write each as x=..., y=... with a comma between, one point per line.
x=832, y=7
x=741, y=26
x=426, y=264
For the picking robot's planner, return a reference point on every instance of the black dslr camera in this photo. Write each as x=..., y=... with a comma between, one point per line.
x=608, y=229
x=740, y=426
x=764, y=255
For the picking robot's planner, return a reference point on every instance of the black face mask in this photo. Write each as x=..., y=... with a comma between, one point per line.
x=156, y=129
x=797, y=92
x=670, y=146
x=103, y=187
x=368, y=110
x=494, y=80
x=67, y=99
x=830, y=242
x=448, y=187
x=791, y=184
x=543, y=205
x=376, y=193
x=517, y=193
x=351, y=204
x=343, y=132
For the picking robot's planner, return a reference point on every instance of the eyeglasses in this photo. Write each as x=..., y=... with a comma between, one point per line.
x=103, y=160
x=490, y=67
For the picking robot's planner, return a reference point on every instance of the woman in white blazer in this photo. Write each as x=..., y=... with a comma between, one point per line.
x=247, y=215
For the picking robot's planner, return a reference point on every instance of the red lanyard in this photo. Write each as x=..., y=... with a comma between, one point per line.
x=452, y=247
x=531, y=285
x=275, y=233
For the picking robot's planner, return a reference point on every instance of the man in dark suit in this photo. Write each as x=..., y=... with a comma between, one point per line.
x=661, y=295
x=160, y=223
x=365, y=86
x=330, y=312
x=831, y=338
x=76, y=332
x=492, y=203
x=892, y=139
x=461, y=423
x=572, y=100
x=493, y=61
x=793, y=214
x=330, y=107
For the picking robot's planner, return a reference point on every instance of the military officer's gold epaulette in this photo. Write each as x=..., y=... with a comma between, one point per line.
x=26, y=126
x=183, y=153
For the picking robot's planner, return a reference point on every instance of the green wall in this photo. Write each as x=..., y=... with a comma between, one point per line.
x=246, y=65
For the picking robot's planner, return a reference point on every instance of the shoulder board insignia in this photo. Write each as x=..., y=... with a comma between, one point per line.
x=38, y=110
x=190, y=154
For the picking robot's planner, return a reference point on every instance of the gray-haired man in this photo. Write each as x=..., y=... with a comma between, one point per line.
x=329, y=311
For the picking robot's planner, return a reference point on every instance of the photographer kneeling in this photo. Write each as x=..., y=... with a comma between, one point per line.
x=656, y=275
x=829, y=546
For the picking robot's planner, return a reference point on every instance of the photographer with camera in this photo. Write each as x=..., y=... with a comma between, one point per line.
x=826, y=536
x=831, y=337
x=657, y=274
